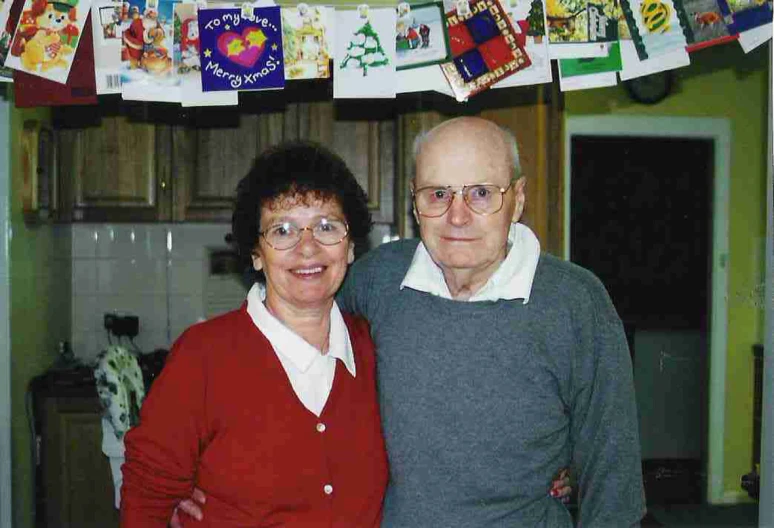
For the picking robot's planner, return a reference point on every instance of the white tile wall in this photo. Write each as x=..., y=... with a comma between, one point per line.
x=155, y=271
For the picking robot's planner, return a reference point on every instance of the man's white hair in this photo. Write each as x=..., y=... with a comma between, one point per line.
x=509, y=137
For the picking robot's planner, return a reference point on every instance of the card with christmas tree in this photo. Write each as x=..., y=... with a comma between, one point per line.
x=147, y=41
x=241, y=52
x=579, y=29
x=307, y=41
x=187, y=64
x=528, y=18
x=484, y=47
x=47, y=36
x=9, y=19
x=364, y=53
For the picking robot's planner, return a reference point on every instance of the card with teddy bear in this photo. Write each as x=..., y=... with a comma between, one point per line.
x=187, y=63
x=147, y=40
x=47, y=36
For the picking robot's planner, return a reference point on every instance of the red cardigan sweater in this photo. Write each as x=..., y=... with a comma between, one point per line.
x=223, y=416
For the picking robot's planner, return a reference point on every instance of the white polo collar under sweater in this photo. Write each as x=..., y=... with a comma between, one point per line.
x=310, y=373
x=512, y=280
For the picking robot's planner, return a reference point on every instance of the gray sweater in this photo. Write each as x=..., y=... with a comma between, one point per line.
x=483, y=402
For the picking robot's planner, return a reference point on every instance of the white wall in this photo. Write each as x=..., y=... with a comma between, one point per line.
x=158, y=272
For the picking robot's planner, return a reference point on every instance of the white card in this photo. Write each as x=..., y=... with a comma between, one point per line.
x=584, y=82
x=364, y=54
x=307, y=41
x=539, y=71
x=106, y=31
x=425, y=79
x=633, y=67
x=751, y=39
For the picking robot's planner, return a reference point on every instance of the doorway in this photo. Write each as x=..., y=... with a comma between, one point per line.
x=646, y=211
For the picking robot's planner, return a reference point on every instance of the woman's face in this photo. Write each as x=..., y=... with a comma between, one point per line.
x=308, y=275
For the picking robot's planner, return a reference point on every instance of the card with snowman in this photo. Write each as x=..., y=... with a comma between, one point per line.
x=47, y=36
x=187, y=62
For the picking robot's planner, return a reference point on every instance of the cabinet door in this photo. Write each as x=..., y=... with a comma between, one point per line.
x=210, y=160
x=114, y=171
x=77, y=483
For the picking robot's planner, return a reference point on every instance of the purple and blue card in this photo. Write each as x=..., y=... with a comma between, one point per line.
x=241, y=53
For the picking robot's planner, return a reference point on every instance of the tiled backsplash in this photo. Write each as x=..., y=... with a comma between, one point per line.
x=158, y=272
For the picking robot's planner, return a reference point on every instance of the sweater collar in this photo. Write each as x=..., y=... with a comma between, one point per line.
x=286, y=342
x=512, y=280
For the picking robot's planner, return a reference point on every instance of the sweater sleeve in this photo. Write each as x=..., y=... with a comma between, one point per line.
x=606, y=447
x=354, y=293
x=162, y=451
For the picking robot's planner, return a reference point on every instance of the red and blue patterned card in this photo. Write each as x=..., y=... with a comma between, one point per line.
x=241, y=53
x=484, y=47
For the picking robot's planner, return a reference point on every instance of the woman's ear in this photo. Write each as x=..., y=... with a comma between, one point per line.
x=257, y=263
x=351, y=253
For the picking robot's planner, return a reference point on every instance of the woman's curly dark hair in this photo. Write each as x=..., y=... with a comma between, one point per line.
x=296, y=169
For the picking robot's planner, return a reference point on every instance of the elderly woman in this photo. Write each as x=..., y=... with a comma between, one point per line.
x=271, y=409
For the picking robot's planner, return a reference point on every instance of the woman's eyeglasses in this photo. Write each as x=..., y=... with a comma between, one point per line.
x=286, y=235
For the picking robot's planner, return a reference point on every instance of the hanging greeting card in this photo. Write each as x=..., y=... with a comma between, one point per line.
x=9, y=19
x=746, y=14
x=484, y=47
x=32, y=90
x=364, y=53
x=581, y=67
x=146, y=51
x=187, y=64
x=579, y=29
x=654, y=26
x=528, y=18
x=420, y=35
x=47, y=36
x=307, y=41
x=241, y=53
x=702, y=22
x=106, y=16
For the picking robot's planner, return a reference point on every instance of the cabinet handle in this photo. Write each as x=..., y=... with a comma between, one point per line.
x=163, y=185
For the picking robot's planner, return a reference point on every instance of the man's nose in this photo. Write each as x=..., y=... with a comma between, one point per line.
x=459, y=213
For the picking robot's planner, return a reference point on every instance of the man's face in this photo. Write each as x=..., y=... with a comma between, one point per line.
x=462, y=154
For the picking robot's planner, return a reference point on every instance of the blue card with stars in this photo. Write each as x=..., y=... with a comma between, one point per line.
x=241, y=50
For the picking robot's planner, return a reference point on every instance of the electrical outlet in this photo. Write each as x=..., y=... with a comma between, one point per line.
x=110, y=322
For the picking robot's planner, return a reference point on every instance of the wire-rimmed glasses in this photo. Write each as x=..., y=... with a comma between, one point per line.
x=287, y=235
x=482, y=198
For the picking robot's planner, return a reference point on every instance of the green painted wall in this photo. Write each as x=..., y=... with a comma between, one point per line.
x=40, y=316
x=723, y=82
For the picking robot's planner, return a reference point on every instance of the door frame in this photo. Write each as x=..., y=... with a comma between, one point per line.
x=5, y=315
x=719, y=131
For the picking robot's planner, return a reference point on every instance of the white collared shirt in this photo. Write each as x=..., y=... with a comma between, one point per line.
x=310, y=372
x=512, y=280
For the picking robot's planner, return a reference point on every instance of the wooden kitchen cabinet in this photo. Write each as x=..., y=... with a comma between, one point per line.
x=74, y=487
x=116, y=169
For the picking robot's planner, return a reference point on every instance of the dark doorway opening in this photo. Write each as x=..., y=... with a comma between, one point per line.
x=641, y=220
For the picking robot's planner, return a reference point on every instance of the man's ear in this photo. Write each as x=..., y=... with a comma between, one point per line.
x=351, y=253
x=519, y=192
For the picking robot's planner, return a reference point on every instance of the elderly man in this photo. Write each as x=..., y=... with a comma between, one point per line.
x=497, y=364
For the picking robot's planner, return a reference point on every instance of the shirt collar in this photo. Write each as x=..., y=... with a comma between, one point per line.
x=286, y=342
x=512, y=280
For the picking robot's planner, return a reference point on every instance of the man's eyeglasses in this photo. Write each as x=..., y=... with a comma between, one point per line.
x=286, y=235
x=481, y=198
